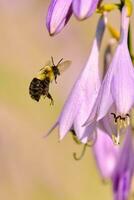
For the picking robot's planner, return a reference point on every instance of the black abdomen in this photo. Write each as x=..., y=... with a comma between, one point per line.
x=38, y=87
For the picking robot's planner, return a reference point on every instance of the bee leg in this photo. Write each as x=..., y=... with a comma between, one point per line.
x=55, y=80
x=44, y=96
x=50, y=97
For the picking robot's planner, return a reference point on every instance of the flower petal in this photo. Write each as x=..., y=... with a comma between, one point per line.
x=59, y=12
x=68, y=113
x=106, y=153
x=51, y=129
x=86, y=134
x=123, y=80
x=117, y=86
x=123, y=77
x=119, y=80
x=108, y=125
x=123, y=172
x=85, y=90
x=103, y=102
x=84, y=8
x=122, y=187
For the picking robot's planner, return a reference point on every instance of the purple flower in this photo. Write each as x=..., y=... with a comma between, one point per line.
x=85, y=90
x=60, y=11
x=84, y=8
x=115, y=163
x=123, y=173
x=106, y=154
x=117, y=89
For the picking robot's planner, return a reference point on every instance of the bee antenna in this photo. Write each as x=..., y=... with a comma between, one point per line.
x=60, y=61
x=52, y=60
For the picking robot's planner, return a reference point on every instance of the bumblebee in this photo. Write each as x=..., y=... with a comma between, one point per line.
x=39, y=85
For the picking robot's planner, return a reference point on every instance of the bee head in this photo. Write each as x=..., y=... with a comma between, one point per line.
x=55, y=70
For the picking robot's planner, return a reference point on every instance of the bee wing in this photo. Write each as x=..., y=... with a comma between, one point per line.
x=64, y=65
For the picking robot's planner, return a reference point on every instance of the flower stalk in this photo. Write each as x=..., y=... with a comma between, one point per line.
x=108, y=7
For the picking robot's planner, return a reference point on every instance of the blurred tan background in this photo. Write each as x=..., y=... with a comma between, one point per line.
x=33, y=168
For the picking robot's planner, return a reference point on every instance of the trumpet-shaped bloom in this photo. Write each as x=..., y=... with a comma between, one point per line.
x=106, y=154
x=85, y=90
x=84, y=8
x=122, y=175
x=60, y=11
x=117, y=86
x=116, y=163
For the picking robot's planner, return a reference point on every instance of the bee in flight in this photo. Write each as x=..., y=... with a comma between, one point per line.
x=39, y=85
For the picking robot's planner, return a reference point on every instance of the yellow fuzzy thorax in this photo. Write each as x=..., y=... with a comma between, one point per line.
x=46, y=72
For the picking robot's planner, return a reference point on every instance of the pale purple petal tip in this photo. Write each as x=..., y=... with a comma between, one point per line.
x=84, y=8
x=87, y=133
x=122, y=187
x=51, y=129
x=123, y=172
x=59, y=12
x=106, y=154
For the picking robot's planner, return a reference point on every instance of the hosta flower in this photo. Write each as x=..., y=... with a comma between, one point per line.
x=60, y=11
x=123, y=173
x=115, y=163
x=85, y=90
x=106, y=154
x=84, y=8
x=117, y=88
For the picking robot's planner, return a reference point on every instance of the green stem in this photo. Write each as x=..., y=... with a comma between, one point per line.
x=130, y=46
x=82, y=153
x=130, y=40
